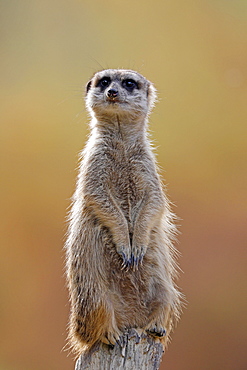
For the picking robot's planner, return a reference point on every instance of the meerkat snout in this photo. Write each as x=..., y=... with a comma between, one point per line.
x=112, y=94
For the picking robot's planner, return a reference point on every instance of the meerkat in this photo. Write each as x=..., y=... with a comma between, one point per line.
x=120, y=256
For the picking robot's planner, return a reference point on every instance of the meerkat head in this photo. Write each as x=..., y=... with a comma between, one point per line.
x=121, y=92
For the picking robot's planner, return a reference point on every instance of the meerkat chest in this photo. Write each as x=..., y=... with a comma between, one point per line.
x=125, y=172
x=128, y=175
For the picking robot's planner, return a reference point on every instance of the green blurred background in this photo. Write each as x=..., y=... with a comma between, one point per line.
x=195, y=52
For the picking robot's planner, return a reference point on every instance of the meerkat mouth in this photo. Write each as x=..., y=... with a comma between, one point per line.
x=113, y=100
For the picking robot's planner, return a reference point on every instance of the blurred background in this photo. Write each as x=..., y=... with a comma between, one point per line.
x=195, y=52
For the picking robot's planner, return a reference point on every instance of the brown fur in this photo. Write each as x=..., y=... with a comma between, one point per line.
x=120, y=257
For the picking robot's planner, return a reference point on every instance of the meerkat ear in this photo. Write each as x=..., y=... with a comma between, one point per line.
x=88, y=86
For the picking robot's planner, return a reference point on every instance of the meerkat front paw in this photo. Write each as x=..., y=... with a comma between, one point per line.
x=125, y=254
x=137, y=254
x=133, y=254
x=132, y=257
x=138, y=248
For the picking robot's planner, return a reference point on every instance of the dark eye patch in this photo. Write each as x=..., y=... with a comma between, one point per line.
x=104, y=82
x=130, y=84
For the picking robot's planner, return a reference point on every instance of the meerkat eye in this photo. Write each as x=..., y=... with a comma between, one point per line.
x=129, y=84
x=104, y=82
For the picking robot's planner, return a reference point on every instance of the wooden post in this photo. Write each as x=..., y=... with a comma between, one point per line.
x=136, y=353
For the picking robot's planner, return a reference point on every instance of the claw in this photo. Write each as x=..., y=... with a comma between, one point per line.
x=125, y=260
x=132, y=259
x=137, y=261
x=121, y=341
x=157, y=332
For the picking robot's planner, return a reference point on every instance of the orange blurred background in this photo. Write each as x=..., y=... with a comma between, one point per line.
x=195, y=52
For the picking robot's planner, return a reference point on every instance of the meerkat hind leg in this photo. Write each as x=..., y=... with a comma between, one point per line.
x=161, y=323
x=112, y=337
x=112, y=334
x=160, y=320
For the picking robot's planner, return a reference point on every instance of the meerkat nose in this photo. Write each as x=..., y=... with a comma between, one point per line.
x=112, y=93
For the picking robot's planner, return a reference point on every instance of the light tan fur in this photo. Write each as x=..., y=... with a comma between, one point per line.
x=120, y=257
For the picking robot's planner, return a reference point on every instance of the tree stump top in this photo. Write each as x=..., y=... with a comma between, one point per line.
x=136, y=352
